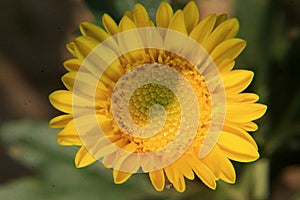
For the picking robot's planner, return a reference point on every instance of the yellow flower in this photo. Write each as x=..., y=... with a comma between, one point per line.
x=160, y=99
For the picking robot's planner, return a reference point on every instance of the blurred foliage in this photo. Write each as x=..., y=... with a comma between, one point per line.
x=270, y=54
x=34, y=145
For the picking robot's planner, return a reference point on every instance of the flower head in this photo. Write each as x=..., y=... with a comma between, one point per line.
x=159, y=98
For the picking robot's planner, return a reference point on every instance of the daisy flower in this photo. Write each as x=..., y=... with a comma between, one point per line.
x=159, y=98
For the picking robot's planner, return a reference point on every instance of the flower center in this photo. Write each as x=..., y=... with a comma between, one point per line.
x=142, y=101
x=147, y=97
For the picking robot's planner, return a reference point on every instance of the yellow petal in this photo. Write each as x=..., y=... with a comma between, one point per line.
x=85, y=44
x=150, y=24
x=140, y=15
x=175, y=177
x=127, y=160
x=71, y=48
x=177, y=22
x=227, y=172
x=60, y=121
x=83, y=158
x=221, y=18
x=95, y=66
x=135, y=42
x=69, y=80
x=179, y=184
x=126, y=24
x=237, y=148
x=229, y=49
x=120, y=177
x=191, y=15
x=237, y=80
x=169, y=170
x=131, y=163
x=203, y=29
x=242, y=98
x=65, y=101
x=106, y=124
x=72, y=64
x=250, y=126
x=105, y=147
x=102, y=58
x=114, y=71
x=107, y=81
x=212, y=161
x=148, y=163
x=226, y=66
x=224, y=31
x=61, y=100
x=157, y=179
x=68, y=142
x=106, y=150
x=247, y=126
x=185, y=169
x=129, y=14
x=240, y=133
x=86, y=84
x=244, y=112
x=93, y=31
x=110, y=25
x=69, y=135
x=108, y=159
x=164, y=15
x=203, y=172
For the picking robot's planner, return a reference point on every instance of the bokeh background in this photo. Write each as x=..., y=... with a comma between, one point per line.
x=33, y=35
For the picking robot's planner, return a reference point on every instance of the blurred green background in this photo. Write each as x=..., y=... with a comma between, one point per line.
x=33, y=37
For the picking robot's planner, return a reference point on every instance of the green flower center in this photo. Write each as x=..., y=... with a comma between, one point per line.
x=146, y=97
